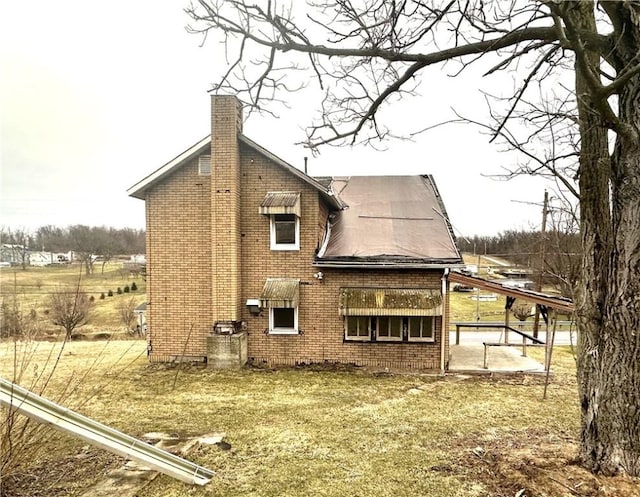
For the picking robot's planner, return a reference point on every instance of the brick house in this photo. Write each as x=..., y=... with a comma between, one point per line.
x=302, y=269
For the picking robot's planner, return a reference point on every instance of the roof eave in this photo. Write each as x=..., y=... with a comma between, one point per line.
x=388, y=264
x=139, y=189
x=327, y=195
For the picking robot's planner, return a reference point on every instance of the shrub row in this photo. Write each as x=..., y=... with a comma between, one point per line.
x=120, y=291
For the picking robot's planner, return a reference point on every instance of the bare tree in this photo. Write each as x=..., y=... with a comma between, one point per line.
x=69, y=308
x=126, y=311
x=367, y=55
x=562, y=261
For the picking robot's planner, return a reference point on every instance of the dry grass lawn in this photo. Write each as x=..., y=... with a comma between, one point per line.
x=317, y=431
x=31, y=288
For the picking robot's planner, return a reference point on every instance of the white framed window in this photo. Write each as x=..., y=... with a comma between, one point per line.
x=357, y=328
x=285, y=232
x=421, y=328
x=389, y=328
x=283, y=320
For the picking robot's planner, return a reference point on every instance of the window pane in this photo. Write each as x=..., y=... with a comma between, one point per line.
x=363, y=326
x=428, y=323
x=414, y=326
x=352, y=326
x=396, y=327
x=285, y=227
x=357, y=326
x=383, y=326
x=421, y=328
x=283, y=318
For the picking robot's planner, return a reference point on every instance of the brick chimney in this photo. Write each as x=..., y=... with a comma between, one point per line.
x=226, y=124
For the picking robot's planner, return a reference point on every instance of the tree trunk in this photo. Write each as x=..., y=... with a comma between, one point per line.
x=608, y=305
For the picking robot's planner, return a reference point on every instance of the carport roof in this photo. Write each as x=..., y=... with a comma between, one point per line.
x=555, y=302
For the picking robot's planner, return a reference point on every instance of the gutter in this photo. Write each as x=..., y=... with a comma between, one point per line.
x=63, y=419
x=445, y=319
x=384, y=265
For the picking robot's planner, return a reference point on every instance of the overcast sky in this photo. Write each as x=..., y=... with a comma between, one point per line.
x=94, y=96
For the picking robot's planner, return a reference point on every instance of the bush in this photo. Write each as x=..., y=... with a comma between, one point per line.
x=134, y=287
x=110, y=294
x=92, y=298
x=126, y=289
x=14, y=322
x=102, y=296
x=119, y=291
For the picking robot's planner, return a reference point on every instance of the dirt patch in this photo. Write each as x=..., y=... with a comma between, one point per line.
x=531, y=465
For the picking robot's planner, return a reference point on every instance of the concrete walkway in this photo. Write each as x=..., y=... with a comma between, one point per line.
x=469, y=359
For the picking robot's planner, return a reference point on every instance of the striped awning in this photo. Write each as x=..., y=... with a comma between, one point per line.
x=390, y=302
x=281, y=203
x=280, y=292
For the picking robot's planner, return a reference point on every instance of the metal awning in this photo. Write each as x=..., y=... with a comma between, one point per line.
x=280, y=292
x=390, y=302
x=281, y=203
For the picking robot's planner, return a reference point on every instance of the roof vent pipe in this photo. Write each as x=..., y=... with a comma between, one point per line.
x=305, y=165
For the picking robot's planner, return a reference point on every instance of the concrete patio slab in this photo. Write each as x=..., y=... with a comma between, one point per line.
x=469, y=359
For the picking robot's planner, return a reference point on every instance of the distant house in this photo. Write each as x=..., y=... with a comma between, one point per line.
x=243, y=246
x=42, y=258
x=13, y=255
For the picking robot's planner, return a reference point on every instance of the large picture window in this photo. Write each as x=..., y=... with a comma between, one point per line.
x=390, y=328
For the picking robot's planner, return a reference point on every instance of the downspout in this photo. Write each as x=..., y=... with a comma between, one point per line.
x=445, y=318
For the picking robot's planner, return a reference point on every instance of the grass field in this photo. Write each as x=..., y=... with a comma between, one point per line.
x=31, y=288
x=298, y=432
x=308, y=431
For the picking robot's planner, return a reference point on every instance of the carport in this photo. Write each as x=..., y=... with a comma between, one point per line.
x=501, y=355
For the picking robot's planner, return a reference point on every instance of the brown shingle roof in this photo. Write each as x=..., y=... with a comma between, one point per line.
x=390, y=220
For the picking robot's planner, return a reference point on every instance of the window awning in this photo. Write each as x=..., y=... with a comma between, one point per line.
x=280, y=292
x=281, y=203
x=390, y=302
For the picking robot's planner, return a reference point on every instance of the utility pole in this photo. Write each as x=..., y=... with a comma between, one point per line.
x=545, y=208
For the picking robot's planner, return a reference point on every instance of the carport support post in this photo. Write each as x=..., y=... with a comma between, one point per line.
x=548, y=343
x=553, y=338
x=507, y=308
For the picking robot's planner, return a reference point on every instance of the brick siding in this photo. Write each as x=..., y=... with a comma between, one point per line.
x=198, y=275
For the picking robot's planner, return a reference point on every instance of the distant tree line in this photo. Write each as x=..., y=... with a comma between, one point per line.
x=87, y=242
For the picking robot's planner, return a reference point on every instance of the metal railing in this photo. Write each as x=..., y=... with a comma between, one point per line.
x=498, y=326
